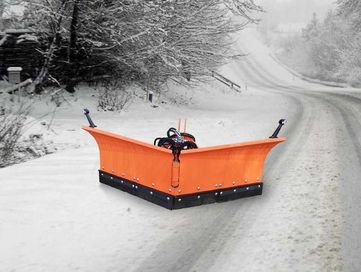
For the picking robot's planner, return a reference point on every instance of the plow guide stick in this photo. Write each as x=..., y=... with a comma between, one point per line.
x=203, y=175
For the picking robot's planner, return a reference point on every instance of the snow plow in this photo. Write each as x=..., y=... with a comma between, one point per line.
x=175, y=173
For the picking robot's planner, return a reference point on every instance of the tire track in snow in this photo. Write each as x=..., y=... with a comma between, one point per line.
x=350, y=150
x=351, y=196
x=199, y=245
x=199, y=241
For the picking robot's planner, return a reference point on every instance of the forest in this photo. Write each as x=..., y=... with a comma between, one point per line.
x=328, y=49
x=142, y=42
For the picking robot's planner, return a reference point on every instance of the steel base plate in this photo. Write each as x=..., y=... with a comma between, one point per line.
x=180, y=201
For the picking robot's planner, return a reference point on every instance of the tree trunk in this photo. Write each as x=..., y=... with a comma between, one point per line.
x=72, y=49
x=38, y=82
x=2, y=9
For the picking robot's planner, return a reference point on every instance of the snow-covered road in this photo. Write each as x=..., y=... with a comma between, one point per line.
x=55, y=216
x=329, y=137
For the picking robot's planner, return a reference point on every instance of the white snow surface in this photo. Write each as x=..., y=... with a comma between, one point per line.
x=56, y=216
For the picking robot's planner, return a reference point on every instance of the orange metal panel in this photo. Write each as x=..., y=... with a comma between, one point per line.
x=226, y=166
x=134, y=160
x=199, y=170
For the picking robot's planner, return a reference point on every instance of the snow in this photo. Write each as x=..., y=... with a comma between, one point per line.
x=56, y=216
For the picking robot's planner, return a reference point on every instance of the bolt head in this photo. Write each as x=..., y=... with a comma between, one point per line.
x=179, y=200
x=151, y=193
x=247, y=188
x=198, y=197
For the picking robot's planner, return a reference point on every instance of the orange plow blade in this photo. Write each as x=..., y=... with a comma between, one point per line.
x=196, y=177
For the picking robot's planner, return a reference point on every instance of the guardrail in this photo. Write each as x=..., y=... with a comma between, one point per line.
x=306, y=78
x=226, y=81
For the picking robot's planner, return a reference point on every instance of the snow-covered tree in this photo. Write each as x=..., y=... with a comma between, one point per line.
x=351, y=11
x=350, y=64
x=147, y=41
x=5, y=7
x=332, y=47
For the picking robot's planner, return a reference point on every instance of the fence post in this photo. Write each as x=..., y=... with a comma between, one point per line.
x=14, y=74
x=150, y=97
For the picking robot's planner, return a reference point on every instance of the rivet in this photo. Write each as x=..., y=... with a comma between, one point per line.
x=112, y=171
x=122, y=174
x=137, y=179
x=136, y=187
x=235, y=190
x=151, y=193
x=170, y=190
x=111, y=177
x=245, y=180
x=216, y=194
x=247, y=188
x=221, y=193
x=198, y=197
x=259, y=186
x=153, y=184
x=257, y=178
x=168, y=198
x=179, y=190
x=220, y=185
x=179, y=200
x=215, y=185
x=198, y=188
x=132, y=185
x=102, y=174
x=233, y=183
x=103, y=167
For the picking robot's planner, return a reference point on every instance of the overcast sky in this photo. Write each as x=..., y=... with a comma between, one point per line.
x=284, y=12
x=297, y=12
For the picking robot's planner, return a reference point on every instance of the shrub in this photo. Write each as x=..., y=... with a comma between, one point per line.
x=354, y=77
x=113, y=97
x=12, y=121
